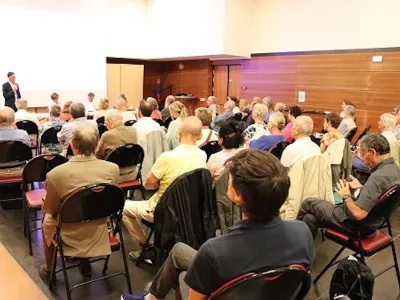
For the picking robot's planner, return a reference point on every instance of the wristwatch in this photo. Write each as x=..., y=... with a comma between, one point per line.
x=346, y=196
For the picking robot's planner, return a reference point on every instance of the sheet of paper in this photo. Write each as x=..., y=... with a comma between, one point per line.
x=302, y=96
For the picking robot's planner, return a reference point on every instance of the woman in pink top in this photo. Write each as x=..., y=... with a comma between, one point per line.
x=294, y=112
x=156, y=114
x=230, y=137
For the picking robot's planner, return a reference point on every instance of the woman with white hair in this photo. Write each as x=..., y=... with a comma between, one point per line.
x=386, y=124
x=275, y=125
x=259, y=128
x=212, y=106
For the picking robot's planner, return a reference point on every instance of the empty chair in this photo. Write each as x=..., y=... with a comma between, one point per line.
x=49, y=138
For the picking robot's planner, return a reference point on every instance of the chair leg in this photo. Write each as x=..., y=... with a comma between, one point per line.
x=328, y=265
x=105, y=265
x=322, y=234
x=53, y=268
x=25, y=215
x=28, y=227
x=64, y=268
x=144, y=247
x=127, y=276
x=396, y=264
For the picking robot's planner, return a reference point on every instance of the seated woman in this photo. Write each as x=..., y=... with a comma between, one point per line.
x=103, y=107
x=331, y=123
x=259, y=128
x=65, y=113
x=178, y=113
x=230, y=137
x=156, y=114
x=208, y=135
x=275, y=125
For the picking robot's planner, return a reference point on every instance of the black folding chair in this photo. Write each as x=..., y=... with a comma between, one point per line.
x=129, y=123
x=13, y=154
x=286, y=283
x=69, y=152
x=167, y=121
x=129, y=155
x=364, y=132
x=100, y=120
x=351, y=134
x=159, y=122
x=238, y=117
x=49, y=136
x=363, y=246
x=102, y=128
x=87, y=204
x=35, y=172
x=211, y=148
x=278, y=148
x=31, y=128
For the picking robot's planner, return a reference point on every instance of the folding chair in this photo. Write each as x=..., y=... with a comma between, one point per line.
x=129, y=123
x=364, y=132
x=49, y=136
x=167, y=121
x=31, y=128
x=100, y=120
x=351, y=134
x=367, y=246
x=286, y=283
x=159, y=122
x=129, y=155
x=278, y=148
x=211, y=148
x=102, y=128
x=35, y=172
x=90, y=203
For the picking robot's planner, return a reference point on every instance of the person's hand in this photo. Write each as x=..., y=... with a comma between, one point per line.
x=343, y=188
x=15, y=87
x=354, y=183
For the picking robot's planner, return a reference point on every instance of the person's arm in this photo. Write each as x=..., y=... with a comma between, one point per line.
x=101, y=149
x=286, y=159
x=158, y=171
x=151, y=182
x=18, y=92
x=343, y=189
x=52, y=202
x=9, y=94
x=211, y=165
x=194, y=295
x=26, y=138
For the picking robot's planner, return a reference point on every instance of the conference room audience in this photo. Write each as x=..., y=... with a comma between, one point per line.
x=122, y=106
x=259, y=128
x=270, y=105
x=81, y=240
x=90, y=104
x=23, y=115
x=303, y=145
x=178, y=113
x=230, y=138
x=228, y=113
x=145, y=123
x=77, y=111
x=213, y=106
x=117, y=135
x=54, y=118
x=156, y=114
x=386, y=125
x=275, y=125
x=236, y=109
x=319, y=213
x=102, y=109
x=221, y=259
x=65, y=113
x=207, y=134
x=294, y=112
x=331, y=123
x=167, y=168
x=347, y=123
x=8, y=131
x=165, y=113
x=344, y=104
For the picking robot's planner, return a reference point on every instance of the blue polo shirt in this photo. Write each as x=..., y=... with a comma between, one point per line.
x=266, y=142
x=249, y=246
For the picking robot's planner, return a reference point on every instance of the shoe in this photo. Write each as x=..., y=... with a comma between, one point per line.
x=44, y=274
x=85, y=268
x=133, y=297
x=148, y=253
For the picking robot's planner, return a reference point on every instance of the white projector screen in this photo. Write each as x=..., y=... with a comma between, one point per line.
x=52, y=52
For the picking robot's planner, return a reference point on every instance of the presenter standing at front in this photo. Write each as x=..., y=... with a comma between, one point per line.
x=11, y=91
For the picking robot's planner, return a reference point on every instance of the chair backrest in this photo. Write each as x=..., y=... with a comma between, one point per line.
x=278, y=148
x=159, y=122
x=38, y=167
x=129, y=123
x=100, y=120
x=102, y=128
x=211, y=148
x=287, y=283
x=50, y=135
x=92, y=202
x=14, y=151
x=364, y=132
x=127, y=155
x=29, y=126
x=69, y=151
x=238, y=116
x=351, y=134
x=167, y=121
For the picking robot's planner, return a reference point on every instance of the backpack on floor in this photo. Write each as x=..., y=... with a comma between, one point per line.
x=353, y=279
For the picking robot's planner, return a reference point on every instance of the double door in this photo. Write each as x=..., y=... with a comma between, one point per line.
x=226, y=82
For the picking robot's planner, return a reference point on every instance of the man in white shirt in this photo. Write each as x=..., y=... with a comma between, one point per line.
x=65, y=135
x=347, y=123
x=145, y=124
x=23, y=115
x=90, y=105
x=122, y=106
x=303, y=146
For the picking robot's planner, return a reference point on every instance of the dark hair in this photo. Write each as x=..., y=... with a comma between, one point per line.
x=54, y=96
x=234, y=99
x=264, y=189
x=333, y=119
x=231, y=133
x=10, y=74
x=295, y=111
x=375, y=141
x=90, y=94
x=146, y=108
x=348, y=102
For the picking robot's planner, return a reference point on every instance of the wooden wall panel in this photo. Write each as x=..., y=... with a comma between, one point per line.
x=220, y=88
x=152, y=73
x=234, y=81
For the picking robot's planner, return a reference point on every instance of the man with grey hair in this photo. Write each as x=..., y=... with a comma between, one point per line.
x=118, y=134
x=122, y=106
x=77, y=111
x=270, y=105
x=319, y=213
x=303, y=145
x=228, y=113
x=83, y=169
x=8, y=131
x=23, y=115
x=165, y=113
x=347, y=123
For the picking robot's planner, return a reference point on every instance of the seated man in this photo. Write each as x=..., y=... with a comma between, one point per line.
x=122, y=106
x=23, y=115
x=319, y=213
x=167, y=168
x=80, y=241
x=260, y=241
x=145, y=124
x=118, y=134
x=228, y=107
x=303, y=145
x=77, y=111
x=347, y=123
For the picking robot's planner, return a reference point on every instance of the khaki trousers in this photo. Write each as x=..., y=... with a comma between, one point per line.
x=134, y=211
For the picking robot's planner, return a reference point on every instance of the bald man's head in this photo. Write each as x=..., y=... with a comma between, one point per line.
x=6, y=116
x=229, y=105
x=190, y=130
